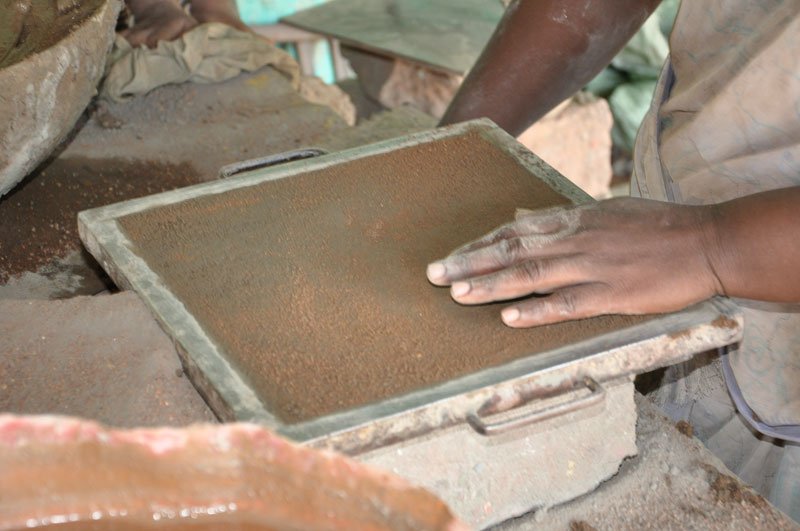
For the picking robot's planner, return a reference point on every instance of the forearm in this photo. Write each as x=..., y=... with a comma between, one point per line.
x=542, y=52
x=218, y=6
x=755, y=246
x=138, y=7
x=224, y=11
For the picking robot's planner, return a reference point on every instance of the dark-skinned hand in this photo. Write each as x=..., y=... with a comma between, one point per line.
x=157, y=20
x=621, y=256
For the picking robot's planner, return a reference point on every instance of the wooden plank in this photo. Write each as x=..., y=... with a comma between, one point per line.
x=443, y=35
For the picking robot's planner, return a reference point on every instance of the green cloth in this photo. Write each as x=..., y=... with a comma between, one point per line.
x=628, y=83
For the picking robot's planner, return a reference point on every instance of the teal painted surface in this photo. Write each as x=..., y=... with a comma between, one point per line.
x=270, y=11
x=256, y=12
x=446, y=35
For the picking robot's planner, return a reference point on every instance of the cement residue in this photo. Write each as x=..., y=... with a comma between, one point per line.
x=39, y=217
x=28, y=27
x=315, y=288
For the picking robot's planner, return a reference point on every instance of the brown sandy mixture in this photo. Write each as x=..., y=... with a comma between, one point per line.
x=28, y=27
x=39, y=218
x=314, y=286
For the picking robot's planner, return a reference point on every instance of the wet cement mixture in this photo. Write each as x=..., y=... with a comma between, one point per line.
x=38, y=219
x=314, y=286
x=28, y=27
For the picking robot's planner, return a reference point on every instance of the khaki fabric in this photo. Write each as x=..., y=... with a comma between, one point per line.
x=207, y=54
x=210, y=53
x=724, y=123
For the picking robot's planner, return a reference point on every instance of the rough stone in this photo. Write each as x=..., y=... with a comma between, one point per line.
x=411, y=84
x=42, y=96
x=398, y=82
x=575, y=138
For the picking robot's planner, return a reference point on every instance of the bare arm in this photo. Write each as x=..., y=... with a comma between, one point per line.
x=631, y=256
x=224, y=11
x=757, y=254
x=542, y=52
x=166, y=20
x=157, y=20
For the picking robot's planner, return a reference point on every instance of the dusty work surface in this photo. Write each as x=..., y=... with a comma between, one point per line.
x=102, y=358
x=315, y=288
x=32, y=26
x=674, y=483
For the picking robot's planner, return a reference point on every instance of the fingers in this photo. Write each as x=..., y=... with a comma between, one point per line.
x=530, y=276
x=505, y=253
x=545, y=220
x=529, y=222
x=134, y=37
x=575, y=302
x=504, y=232
x=167, y=27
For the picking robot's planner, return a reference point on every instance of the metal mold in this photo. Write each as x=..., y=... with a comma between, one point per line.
x=659, y=341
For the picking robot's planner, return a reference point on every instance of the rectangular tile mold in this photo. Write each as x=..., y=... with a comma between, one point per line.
x=615, y=348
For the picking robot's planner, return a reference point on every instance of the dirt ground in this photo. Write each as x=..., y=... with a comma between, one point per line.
x=674, y=483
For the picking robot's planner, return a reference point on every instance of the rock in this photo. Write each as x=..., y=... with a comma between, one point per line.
x=575, y=138
x=425, y=89
x=397, y=82
x=44, y=94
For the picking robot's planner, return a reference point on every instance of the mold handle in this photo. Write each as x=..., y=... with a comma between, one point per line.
x=596, y=396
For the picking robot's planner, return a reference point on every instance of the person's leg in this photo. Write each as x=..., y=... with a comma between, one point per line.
x=157, y=20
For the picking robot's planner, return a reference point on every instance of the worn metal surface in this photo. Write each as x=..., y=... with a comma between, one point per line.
x=445, y=36
x=661, y=341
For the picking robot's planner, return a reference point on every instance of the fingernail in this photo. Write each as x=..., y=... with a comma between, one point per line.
x=436, y=271
x=460, y=289
x=510, y=315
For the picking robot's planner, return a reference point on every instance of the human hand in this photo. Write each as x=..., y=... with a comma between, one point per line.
x=157, y=20
x=223, y=11
x=621, y=256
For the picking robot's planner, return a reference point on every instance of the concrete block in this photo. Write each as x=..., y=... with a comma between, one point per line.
x=487, y=480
